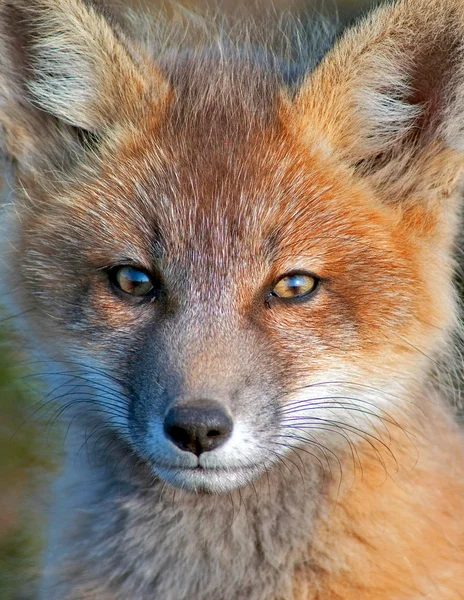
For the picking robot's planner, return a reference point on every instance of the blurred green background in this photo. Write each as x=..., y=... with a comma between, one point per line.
x=28, y=449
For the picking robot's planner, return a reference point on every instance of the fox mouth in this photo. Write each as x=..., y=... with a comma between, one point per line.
x=212, y=480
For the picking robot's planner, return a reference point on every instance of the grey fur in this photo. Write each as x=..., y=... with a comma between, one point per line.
x=149, y=541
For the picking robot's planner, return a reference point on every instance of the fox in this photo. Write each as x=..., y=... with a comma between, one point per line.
x=235, y=265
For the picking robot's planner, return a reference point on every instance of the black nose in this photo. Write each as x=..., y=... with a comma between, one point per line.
x=198, y=428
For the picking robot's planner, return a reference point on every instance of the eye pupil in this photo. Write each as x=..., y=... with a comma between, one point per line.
x=133, y=281
x=295, y=285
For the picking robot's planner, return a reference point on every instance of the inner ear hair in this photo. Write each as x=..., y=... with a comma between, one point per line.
x=389, y=97
x=66, y=69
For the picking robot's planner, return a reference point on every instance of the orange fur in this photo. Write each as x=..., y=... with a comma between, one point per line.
x=394, y=533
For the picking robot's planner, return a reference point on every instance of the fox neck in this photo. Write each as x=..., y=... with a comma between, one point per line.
x=245, y=544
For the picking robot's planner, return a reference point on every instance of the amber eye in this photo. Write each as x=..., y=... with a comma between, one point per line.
x=295, y=285
x=132, y=281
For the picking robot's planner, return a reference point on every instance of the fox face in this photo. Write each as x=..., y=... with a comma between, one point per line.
x=253, y=302
x=230, y=270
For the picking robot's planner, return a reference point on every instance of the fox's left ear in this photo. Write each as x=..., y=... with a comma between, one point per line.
x=388, y=100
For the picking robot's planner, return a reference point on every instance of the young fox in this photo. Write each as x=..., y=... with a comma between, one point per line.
x=239, y=271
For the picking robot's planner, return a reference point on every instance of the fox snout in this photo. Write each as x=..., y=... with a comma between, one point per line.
x=198, y=428
x=203, y=402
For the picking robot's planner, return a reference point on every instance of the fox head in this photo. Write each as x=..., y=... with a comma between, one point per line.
x=230, y=266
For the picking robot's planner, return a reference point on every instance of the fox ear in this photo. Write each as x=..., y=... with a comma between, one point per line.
x=63, y=59
x=388, y=100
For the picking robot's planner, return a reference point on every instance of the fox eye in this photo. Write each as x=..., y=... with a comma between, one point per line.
x=295, y=285
x=132, y=281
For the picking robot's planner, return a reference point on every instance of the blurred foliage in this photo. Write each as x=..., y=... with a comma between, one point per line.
x=27, y=454
x=27, y=459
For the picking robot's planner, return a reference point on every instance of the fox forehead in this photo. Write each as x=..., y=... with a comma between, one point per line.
x=223, y=168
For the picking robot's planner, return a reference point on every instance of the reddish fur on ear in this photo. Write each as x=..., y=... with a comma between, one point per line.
x=388, y=100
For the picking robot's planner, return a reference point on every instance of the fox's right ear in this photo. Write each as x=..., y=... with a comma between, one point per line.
x=64, y=66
